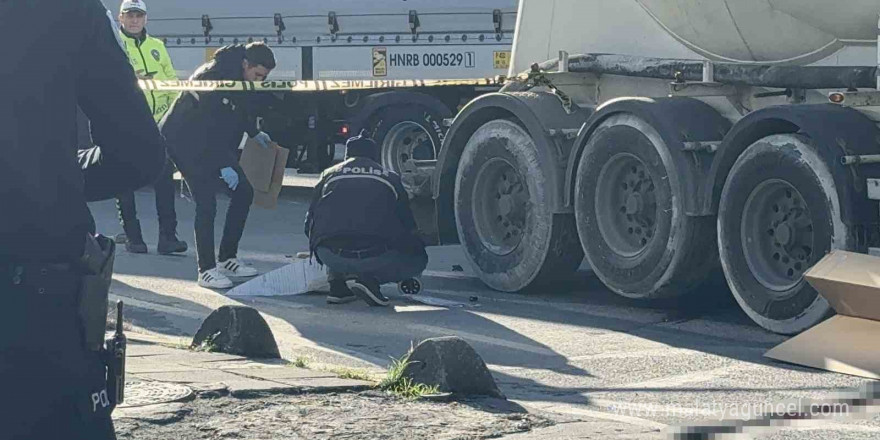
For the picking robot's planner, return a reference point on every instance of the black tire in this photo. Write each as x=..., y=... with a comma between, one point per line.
x=529, y=246
x=779, y=180
x=629, y=206
x=397, y=127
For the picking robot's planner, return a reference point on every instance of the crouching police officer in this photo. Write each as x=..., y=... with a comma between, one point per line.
x=361, y=227
x=52, y=375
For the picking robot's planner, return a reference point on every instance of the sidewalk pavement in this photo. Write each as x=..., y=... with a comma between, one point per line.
x=157, y=373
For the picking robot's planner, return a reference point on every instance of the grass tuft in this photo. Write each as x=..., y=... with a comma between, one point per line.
x=395, y=383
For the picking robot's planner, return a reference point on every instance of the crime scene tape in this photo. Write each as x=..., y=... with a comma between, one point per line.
x=310, y=85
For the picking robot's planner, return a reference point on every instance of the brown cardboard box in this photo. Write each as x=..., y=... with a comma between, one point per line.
x=849, y=342
x=264, y=168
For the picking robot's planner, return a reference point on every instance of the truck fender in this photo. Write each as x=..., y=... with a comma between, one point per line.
x=681, y=122
x=376, y=102
x=839, y=130
x=541, y=114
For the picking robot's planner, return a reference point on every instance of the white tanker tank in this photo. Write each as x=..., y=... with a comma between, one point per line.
x=675, y=139
x=739, y=31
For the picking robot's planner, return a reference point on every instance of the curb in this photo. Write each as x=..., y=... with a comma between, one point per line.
x=294, y=390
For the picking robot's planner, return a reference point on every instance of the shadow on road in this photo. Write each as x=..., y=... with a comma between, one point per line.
x=542, y=331
x=164, y=314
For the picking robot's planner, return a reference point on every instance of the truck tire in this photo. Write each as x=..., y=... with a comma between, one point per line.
x=407, y=132
x=508, y=232
x=630, y=215
x=779, y=214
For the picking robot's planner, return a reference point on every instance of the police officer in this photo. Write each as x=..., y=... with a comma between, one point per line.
x=203, y=131
x=53, y=386
x=361, y=227
x=150, y=60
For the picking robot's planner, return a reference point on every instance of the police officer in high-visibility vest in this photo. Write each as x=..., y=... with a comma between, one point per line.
x=150, y=60
x=53, y=380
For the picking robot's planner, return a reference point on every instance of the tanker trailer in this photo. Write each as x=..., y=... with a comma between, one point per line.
x=351, y=40
x=678, y=137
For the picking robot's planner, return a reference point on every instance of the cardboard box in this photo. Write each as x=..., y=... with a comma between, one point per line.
x=849, y=342
x=264, y=168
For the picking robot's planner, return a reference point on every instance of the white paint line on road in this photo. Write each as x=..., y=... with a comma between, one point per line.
x=553, y=407
x=638, y=316
x=635, y=409
x=158, y=307
x=692, y=377
x=449, y=275
x=485, y=339
x=652, y=352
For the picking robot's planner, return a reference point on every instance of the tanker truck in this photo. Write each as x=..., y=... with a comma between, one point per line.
x=350, y=40
x=669, y=140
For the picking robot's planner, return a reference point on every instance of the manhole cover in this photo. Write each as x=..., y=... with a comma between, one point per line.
x=152, y=393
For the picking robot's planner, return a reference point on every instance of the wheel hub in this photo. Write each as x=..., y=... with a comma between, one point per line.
x=634, y=204
x=501, y=201
x=406, y=141
x=625, y=195
x=784, y=235
x=777, y=235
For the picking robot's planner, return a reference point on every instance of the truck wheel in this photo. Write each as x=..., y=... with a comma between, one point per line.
x=508, y=232
x=630, y=214
x=407, y=133
x=779, y=215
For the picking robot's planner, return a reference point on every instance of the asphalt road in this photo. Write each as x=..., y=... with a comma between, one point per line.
x=574, y=350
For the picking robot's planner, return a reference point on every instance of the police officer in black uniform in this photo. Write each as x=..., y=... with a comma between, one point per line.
x=62, y=53
x=203, y=131
x=361, y=227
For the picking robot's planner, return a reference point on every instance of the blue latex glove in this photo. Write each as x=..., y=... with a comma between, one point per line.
x=230, y=177
x=263, y=139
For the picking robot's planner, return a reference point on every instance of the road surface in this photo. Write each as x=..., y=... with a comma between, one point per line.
x=574, y=350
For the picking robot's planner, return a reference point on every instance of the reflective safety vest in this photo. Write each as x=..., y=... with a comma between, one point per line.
x=150, y=60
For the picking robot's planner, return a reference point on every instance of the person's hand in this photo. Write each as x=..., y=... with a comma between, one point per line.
x=263, y=139
x=230, y=177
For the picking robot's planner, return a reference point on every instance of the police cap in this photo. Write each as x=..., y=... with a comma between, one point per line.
x=362, y=146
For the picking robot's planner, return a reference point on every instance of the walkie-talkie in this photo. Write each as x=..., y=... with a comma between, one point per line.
x=115, y=349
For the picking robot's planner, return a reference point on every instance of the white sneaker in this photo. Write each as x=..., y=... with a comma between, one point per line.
x=214, y=279
x=234, y=267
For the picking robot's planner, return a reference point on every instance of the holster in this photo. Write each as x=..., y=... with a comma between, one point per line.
x=96, y=267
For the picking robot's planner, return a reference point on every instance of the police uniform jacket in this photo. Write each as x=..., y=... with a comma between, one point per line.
x=357, y=205
x=203, y=130
x=44, y=189
x=150, y=59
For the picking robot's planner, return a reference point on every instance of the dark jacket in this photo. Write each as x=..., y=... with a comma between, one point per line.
x=204, y=129
x=42, y=80
x=357, y=205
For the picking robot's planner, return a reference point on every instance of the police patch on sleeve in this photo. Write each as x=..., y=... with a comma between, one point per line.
x=155, y=54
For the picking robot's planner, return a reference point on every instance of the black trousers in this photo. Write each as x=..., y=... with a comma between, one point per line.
x=164, y=189
x=390, y=267
x=204, y=188
x=53, y=387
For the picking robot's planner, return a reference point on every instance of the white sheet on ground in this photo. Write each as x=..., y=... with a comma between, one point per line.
x=301, y=276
